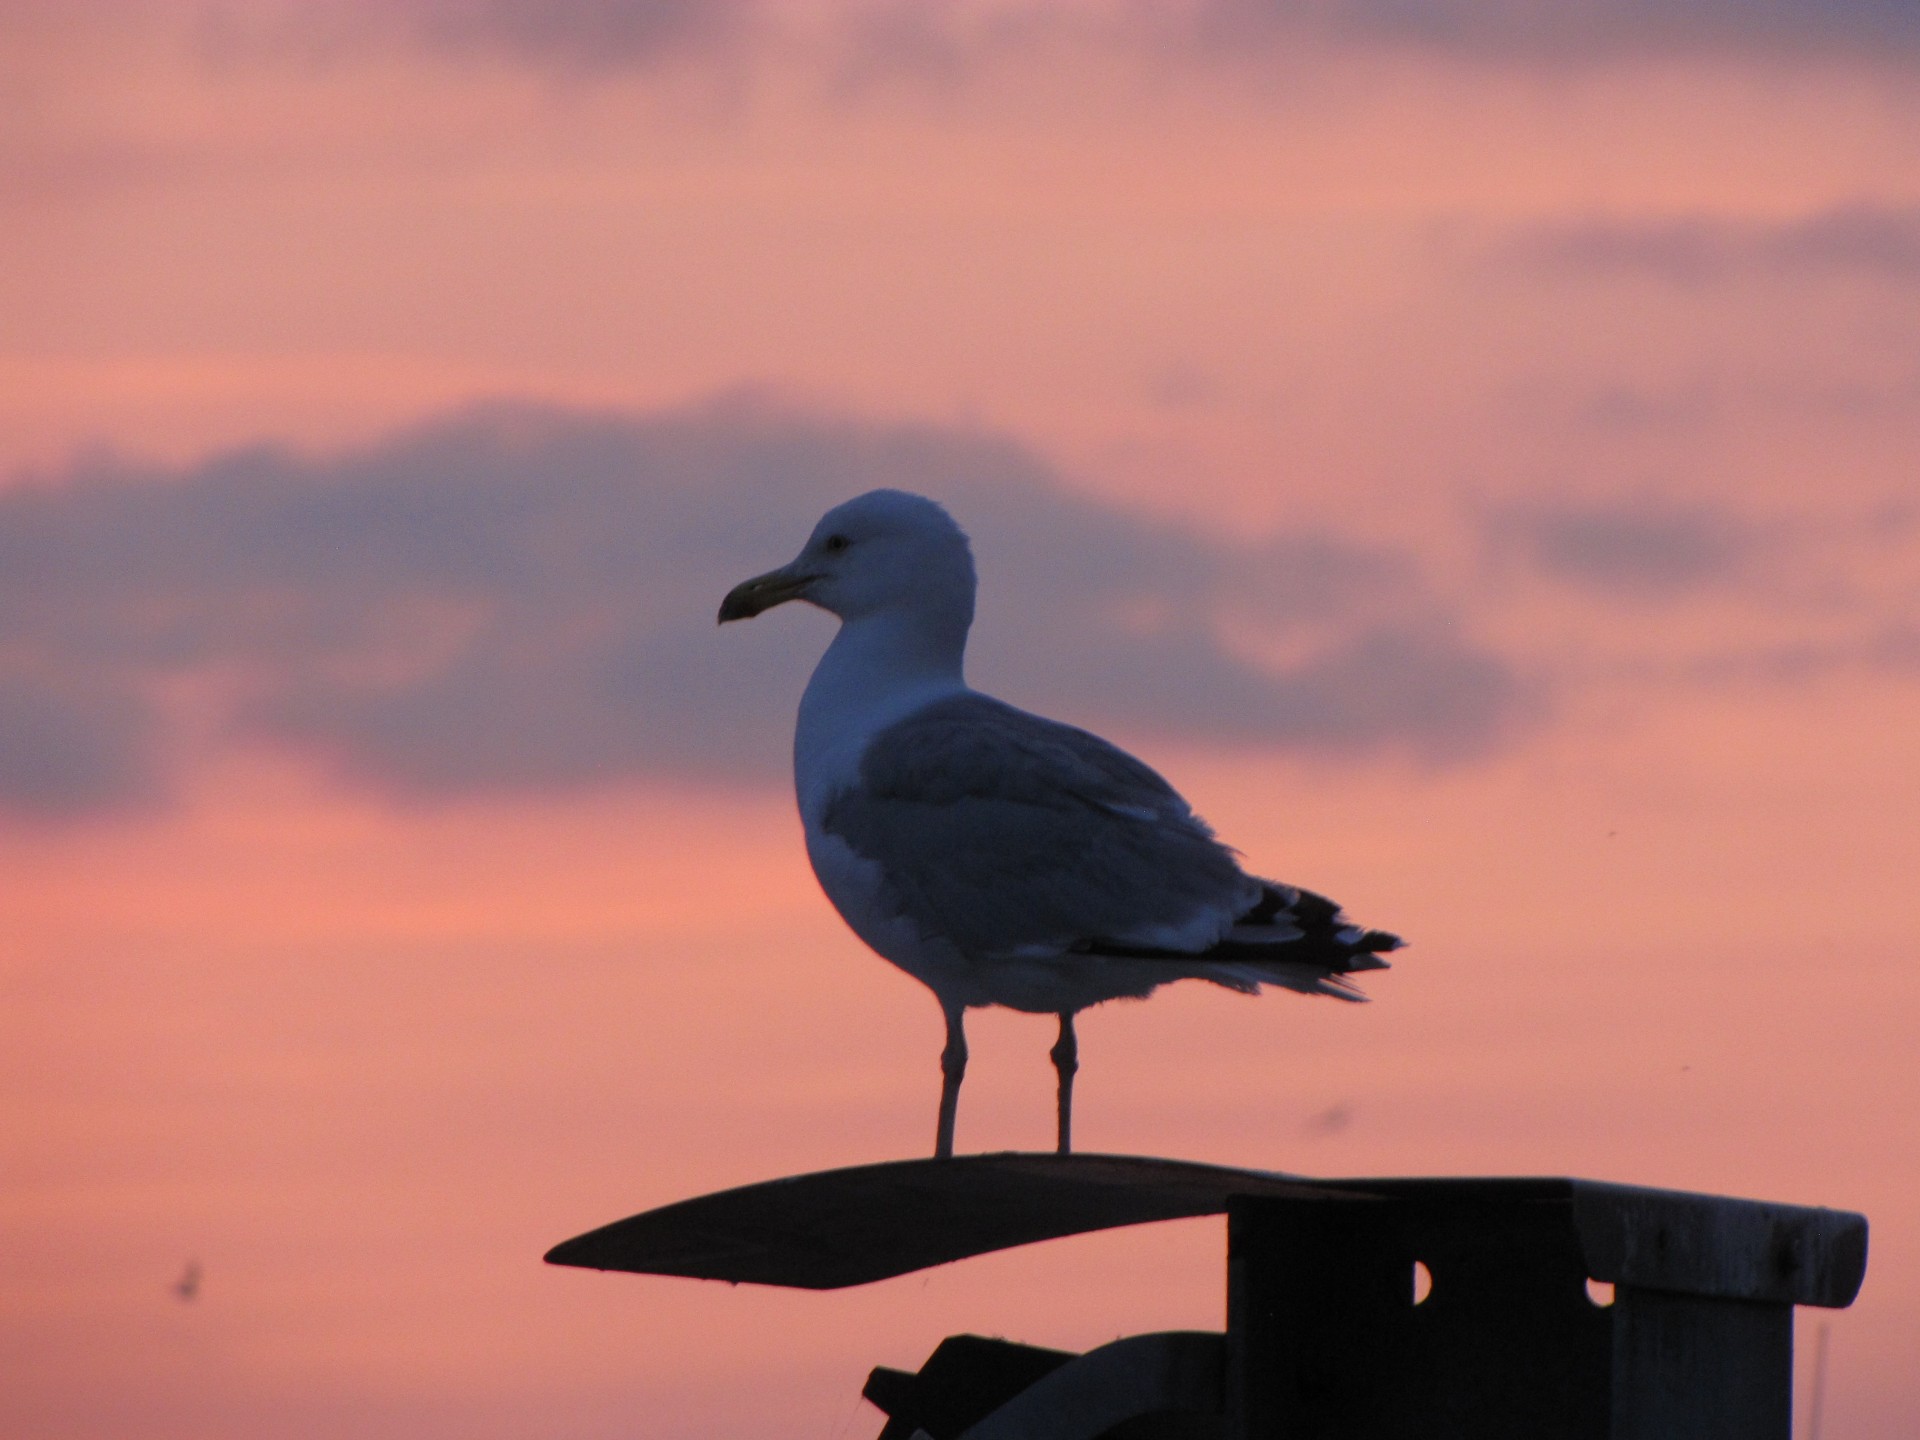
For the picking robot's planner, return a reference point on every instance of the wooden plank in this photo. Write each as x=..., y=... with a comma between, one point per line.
x=1717, y=1245
x=847, y=1227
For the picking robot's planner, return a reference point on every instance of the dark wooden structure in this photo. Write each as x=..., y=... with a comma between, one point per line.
x=1325, y=1337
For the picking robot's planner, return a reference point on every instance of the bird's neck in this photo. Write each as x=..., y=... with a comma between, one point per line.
x=879, y=669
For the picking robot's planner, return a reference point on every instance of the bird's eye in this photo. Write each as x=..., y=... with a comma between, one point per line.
x=835, y=544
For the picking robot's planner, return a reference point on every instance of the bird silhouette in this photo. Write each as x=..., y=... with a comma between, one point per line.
x=998, y=857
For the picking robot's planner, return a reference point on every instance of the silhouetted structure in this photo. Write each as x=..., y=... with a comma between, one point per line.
x=1325, y=1339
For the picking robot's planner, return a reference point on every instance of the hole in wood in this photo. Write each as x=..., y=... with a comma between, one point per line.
x=1600, y=1292
x=1422, y=1283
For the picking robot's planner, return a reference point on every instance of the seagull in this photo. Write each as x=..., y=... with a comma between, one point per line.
x=998, y=857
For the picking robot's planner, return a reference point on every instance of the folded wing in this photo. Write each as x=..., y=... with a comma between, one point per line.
x=1013, y=836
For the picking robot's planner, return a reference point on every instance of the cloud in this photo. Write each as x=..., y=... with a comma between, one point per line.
x=1579, y=29
x=517, y=598
x=573, y=37
x=941, y=43
x=1852, y=566
x=1889, y=649
x=580, y=34
x=69, y=749
x=1744, y=601
x=1639, y=548
x=1877, y=242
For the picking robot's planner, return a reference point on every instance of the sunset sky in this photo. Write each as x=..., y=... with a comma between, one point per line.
x=1471, y=447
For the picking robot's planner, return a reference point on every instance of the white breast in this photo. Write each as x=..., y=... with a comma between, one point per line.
x=858, y=689
x=865, y=682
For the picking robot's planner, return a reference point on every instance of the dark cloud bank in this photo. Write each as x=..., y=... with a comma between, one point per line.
x=1586, y=29
x=577, y=38
x=601, y=33
x=519, y=598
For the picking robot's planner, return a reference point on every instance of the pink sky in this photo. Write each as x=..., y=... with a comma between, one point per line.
x=1521, y=420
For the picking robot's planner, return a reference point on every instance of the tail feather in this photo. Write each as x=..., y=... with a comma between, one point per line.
x=1290, y=937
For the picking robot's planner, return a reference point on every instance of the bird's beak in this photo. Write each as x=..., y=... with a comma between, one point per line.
x=763, y=592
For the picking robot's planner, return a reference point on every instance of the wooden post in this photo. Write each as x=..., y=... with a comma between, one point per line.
x=1693, y=1365
x=1326, y=1342
x=1326, y=1338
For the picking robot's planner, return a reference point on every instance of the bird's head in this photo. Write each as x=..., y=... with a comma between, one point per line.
x=885, y=550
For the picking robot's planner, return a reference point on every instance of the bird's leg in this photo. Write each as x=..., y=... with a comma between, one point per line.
x=953, y=1068
x=1066, y=1059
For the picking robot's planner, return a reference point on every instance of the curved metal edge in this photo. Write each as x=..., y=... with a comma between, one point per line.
x=1177, y=1370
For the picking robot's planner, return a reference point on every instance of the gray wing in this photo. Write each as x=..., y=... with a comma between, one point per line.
x=1012, y=835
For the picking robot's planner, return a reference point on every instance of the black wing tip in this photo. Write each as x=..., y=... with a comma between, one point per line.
x=1313, y=911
